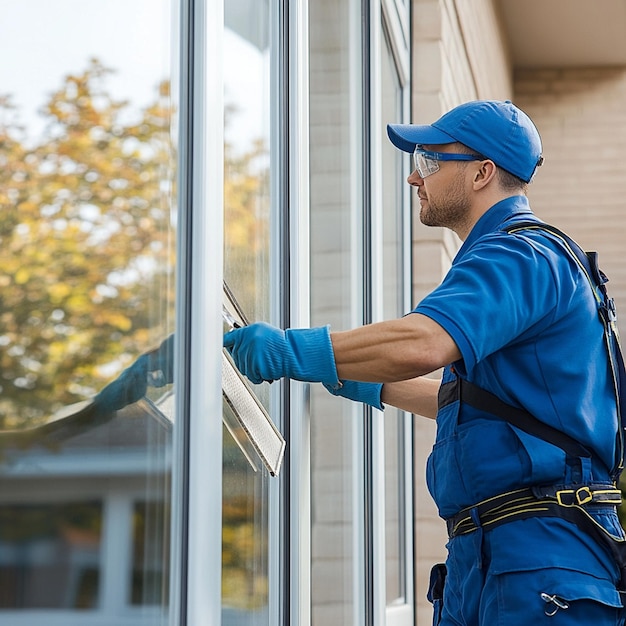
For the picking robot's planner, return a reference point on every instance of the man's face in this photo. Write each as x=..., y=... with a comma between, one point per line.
x=444, y=198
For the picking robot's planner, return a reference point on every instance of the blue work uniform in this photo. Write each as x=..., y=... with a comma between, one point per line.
x=524, y=318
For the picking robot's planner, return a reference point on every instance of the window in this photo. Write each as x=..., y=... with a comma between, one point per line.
x=359, y=259
x=247, y=246
x=337, y=272
x=50, y=555
x=396, y=241
x=88, y=251
x=121, y=479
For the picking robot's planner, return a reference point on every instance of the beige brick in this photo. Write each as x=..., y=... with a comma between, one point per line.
x=426, y=20
x=582, y=121
x=428, y=64
x=332, y=614
x=427, y=107
x=330, y=540
x=329, y=582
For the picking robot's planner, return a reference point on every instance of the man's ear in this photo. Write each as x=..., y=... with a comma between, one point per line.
x=484, y=174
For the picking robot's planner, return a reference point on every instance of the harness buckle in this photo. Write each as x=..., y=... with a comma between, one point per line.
x=586, y=496
x=562, y=493
x=579, y=497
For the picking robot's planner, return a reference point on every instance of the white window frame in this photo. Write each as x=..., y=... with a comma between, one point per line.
x=197, y=477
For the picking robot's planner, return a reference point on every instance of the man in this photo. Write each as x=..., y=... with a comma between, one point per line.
x=527, y=446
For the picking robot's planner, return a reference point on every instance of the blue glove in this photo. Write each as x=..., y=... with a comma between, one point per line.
x=130, y=386
x=154, y=369
x=369, y=393
x=266, y=353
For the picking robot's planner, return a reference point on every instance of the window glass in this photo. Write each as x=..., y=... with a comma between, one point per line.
x=246, y=154
x=88, y=257
x=247, y=204
x=50, y=555
x=245, y=583
x=336, y=492
x=150, y=557
x=393, y=303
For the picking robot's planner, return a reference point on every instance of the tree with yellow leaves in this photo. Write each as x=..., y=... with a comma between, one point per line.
x=87, y=246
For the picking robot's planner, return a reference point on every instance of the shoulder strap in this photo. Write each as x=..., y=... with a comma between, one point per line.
x=588, y=263
x=479, y=398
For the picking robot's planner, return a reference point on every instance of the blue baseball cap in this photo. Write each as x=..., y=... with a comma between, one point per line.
x=495, y=129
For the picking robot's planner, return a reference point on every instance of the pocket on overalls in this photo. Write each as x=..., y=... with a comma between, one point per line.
x=435, y=590
x=444, y=474
x=543, y=595
x=445, y=477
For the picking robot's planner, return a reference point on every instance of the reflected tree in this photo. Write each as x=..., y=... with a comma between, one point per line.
x=87, y=258
x=87, y=247
x=85, y=240
x=246, y=207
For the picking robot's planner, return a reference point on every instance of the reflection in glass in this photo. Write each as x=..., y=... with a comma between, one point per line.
x=50, y=555
x=84, y=513
x=150, y=568
x=335, y=299
x=247, y=206
x=393, y=303
x=245, y=583
x=246, y=154
x=88, y=257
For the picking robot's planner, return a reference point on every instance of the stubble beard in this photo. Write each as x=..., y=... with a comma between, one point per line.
x=450, y=210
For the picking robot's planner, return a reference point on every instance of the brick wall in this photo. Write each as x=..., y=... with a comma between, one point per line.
x=581, y=116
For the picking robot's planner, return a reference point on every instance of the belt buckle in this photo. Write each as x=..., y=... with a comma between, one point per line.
x=586, y=497
x=565, y=492
x=581, y=496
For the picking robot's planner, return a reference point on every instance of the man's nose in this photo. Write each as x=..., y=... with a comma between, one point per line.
x=414, y=179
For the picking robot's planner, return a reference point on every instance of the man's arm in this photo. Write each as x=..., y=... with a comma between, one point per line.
x=394, y=350
x=385, y=352
x=417, y=395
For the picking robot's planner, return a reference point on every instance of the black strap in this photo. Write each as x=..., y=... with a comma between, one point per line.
x=468, y=393
x=529, y=502
x=588, y=263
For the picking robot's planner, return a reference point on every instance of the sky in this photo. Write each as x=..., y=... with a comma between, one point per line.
x=44, y=40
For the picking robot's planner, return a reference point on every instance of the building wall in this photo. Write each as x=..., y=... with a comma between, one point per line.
x=581, y=116
x=459, y=54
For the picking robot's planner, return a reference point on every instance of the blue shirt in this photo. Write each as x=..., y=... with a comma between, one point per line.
x=525, y=320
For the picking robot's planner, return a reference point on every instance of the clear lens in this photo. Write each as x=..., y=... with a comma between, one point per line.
x=427, y=163
x=424, y=165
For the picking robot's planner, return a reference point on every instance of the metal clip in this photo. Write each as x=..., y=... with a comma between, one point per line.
x=584, y=495
x=581, y=496
x=558, y=603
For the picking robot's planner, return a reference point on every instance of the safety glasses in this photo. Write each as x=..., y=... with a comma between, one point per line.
x=427, y=162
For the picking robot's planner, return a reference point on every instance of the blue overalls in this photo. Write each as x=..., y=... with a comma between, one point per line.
x=525, y=321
